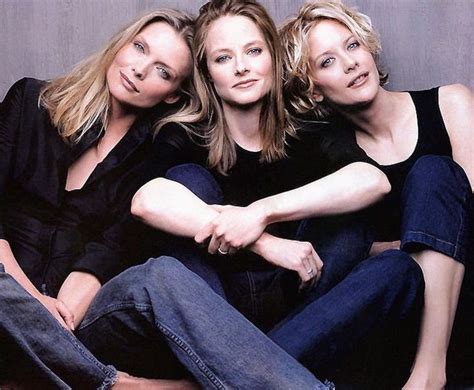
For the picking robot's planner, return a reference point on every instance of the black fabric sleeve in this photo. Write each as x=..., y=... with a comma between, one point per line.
x=331, y=147
x=106, y=256
x=10, y=120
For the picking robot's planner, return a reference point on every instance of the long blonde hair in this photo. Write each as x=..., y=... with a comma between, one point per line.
x=274, y=120
x=77, y=101
x=299, y=85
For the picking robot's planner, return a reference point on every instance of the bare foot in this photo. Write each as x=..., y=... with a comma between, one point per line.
x=128, y=382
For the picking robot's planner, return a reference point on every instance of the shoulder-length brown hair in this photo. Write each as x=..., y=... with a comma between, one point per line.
x=78, y=100
x=275, y=124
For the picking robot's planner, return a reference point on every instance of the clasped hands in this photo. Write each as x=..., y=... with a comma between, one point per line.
x=236, y=228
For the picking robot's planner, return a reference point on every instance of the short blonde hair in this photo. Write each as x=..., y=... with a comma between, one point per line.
x=299, y=85
x=78, y=100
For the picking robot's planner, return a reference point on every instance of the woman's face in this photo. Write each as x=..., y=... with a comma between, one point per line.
x=150, y=68
x=343, y=70
x=238, y=60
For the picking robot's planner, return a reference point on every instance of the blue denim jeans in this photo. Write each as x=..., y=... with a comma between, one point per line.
x=215, y=342
x=436, y=202
x=37, y=351
x=161, y=304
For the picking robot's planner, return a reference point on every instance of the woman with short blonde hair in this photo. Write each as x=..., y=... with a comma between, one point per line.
x=416, y=138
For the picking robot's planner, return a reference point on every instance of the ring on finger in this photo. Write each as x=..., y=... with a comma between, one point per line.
x=221, y=251
x=310, y=271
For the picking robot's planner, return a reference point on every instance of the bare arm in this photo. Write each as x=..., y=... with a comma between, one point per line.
x=457, y=108
x=77, y=293
x=171, y=207
x=57, y=308
x=351, y=188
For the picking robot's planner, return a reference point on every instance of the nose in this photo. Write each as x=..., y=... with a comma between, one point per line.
x=139, y=70
x=350, y=63
x=240, y=67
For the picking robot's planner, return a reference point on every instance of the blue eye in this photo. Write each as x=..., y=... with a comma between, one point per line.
x=327, y=62
x=254, y=51
x=223, y=58
x=139, y=47
x=353, y=45
x=163, y=73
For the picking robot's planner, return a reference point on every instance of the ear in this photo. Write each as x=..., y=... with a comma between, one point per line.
x=172, y=98
x=317, y=95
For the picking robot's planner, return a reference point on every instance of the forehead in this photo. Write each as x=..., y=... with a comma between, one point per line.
x=326, y=34
x=232, y=31
x=165, y=42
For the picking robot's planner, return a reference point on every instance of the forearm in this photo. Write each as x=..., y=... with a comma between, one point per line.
x=171, y=207
x=351, y=188
x=77, y=293
x=13, y=268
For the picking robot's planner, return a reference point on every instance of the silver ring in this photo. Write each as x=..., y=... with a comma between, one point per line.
x=310, y=271
x=221, y=251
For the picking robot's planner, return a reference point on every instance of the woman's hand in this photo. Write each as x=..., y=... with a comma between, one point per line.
x=233, y=229
x=59, y=311
x=77, y=293
x=294, y=255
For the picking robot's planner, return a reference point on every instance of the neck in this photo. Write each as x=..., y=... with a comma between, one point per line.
x=244, y=125
x=378, y=118
x=120, y=117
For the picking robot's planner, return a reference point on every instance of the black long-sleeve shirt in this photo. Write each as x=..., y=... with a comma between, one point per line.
x=53, y=232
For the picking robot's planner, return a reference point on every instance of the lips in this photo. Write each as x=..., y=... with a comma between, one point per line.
x=129, y=82
x=245, y=83
x=358, y=80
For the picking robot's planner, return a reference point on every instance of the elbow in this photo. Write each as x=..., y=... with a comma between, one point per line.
x=145, y=202
x=376, y=181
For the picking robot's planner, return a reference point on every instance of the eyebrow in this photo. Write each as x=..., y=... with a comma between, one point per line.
x=329, y=51
x=164, y=64
x=246, y=46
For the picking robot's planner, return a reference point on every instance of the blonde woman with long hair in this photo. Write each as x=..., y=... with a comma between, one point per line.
x=72, y=153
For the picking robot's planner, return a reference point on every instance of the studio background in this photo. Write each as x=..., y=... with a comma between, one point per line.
x=425, y=42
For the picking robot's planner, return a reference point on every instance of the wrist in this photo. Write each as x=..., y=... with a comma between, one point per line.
x=260, y=246
x=264, y=211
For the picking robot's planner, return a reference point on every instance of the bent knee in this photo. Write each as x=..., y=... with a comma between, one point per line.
x=400, y=266
x=438, y=169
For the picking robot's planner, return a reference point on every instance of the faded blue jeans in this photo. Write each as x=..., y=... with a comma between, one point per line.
x=150, y=310
x=37, y=351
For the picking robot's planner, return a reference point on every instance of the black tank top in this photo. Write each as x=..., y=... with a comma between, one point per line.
x=432, y=139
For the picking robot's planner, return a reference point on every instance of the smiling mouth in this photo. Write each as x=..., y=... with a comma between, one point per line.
x=245, y=83
x=358, y=80
x=129, y=82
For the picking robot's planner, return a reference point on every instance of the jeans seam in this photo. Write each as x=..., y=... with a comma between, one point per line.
x=109, y=371
x=111, y=308
x=431, y=236
x=461, y=229
x=253, y=293
x=178, y=341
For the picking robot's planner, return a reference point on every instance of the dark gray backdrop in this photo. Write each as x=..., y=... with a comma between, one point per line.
x=425, y=42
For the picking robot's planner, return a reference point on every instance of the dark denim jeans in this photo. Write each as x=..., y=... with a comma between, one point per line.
x=37, y=352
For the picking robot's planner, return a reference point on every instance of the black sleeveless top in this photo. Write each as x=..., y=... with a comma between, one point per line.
x=432, y=139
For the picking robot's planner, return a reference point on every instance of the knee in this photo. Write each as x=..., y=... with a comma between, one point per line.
x=198, y=180
x=437, y=172
x=401, y=268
